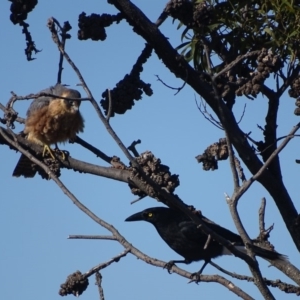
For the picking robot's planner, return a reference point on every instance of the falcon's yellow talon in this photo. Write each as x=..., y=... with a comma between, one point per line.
x=49, y=150
x=63, y=155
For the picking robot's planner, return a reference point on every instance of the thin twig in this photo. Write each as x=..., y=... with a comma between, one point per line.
x=272, y=144
x=91, y=237
x=133, y=149
x=283, y=286
x=261, y=215
x=10, y=116
x=236, y=61
x=242, y=116
x=170, y=87
x=276, y=152
x=137, y=200
x=93, y=149
x=98, y=277
x=209, y=63
x=239, y=169
x=232, y=202
x=105, y=264
x=110, y=106
x=246, y=184
x=232, y=162
x=64, y=37
x=204, y=112
x=14, y=98
x=163, y=16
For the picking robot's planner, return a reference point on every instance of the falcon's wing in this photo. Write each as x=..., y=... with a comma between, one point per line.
x=40, y=102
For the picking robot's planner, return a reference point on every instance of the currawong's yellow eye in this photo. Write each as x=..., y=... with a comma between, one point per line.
x=150, y=215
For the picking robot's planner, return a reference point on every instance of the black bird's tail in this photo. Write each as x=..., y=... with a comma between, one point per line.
x=25, y=167
x=264, y=253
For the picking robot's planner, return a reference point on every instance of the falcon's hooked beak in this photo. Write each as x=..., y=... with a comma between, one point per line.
x=136, y=217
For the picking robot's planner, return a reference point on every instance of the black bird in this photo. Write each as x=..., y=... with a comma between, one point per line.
x=183, y=236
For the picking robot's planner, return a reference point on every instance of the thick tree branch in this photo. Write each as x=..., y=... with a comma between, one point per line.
x=270, y=133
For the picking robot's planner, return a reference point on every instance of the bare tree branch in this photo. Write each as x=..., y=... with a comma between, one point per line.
x=285, y=287
x=101, y=266
x=92, y=237
x=93, y=149
x=261, y=215
x=99, y=284
x=235, y=62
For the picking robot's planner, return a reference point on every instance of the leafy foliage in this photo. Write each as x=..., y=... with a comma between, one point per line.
x=236, y=27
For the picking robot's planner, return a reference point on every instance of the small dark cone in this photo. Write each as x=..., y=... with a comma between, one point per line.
x=24, y=167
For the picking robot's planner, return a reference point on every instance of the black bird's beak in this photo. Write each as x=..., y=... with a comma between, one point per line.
x=136, y=217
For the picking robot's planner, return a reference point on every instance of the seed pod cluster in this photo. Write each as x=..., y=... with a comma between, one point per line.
x=19, y=12
x=53, y=165
x=202, y=15
x=294, y=92
x=181, y=10
x=155, y=170
x=130, y=88
x=267, y=63
x=93, y=26
x=212, y=154
x=75, y=284
x=191, y=14
x=20, y=9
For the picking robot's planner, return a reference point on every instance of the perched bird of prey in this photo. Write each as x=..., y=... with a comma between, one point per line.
x=49, y=121
x=182, y=235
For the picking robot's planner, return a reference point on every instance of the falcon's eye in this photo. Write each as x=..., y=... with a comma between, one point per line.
x=75, y=103
x=68, y=103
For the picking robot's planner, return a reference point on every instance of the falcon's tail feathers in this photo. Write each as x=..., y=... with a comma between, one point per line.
x=24, y=168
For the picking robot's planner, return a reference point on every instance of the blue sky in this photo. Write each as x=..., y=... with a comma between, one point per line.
x=36, y=217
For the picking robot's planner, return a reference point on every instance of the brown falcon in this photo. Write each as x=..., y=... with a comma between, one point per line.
x=49, y=121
